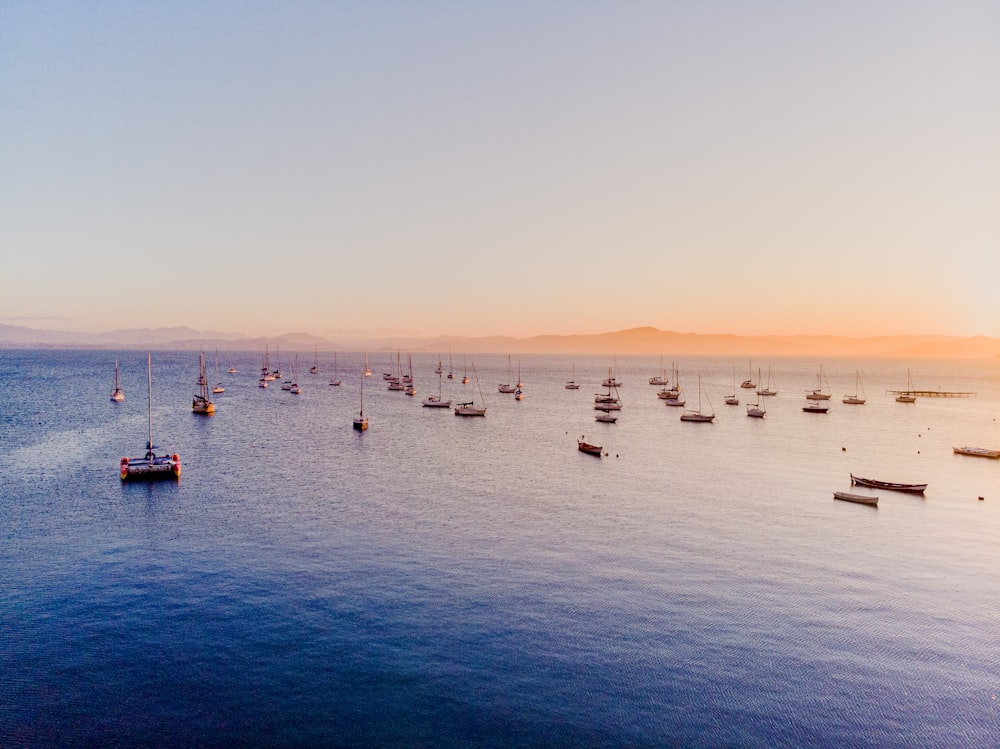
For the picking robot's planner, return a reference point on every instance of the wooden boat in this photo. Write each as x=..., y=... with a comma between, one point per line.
x=586, y=447
x=117, y=395
x=979, y=452
x=912, y=488
x=150, y=467
x=861, y=499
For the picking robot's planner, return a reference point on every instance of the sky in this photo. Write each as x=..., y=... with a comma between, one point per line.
x=501, y=168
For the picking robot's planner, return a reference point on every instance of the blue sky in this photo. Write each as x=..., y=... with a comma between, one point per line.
x=501, y=168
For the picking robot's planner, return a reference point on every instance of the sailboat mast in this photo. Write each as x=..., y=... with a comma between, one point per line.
x=149, y=401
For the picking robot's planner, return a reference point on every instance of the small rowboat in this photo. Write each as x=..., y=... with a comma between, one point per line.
x=912, y=488
x=586, y=447
x=861, y=499
x=979, y=452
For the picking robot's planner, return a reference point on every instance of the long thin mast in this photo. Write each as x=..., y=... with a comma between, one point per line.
x=149, y=401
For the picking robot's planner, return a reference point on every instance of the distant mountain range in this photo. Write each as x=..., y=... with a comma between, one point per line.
x=645, y=340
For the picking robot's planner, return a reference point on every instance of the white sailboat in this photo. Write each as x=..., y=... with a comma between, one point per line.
x=671, y=396
x=766, y=390
x=368, y=372
x=335, y=379
x=908, y=395
x=748, y=383
x=732, y=400
x=506, y=387
x=608, y=401
x=858, y=399
x=451, y=373
x=150, y=467
x=757, y=410
x=218, y=378
x=819, y=393
x=314, y=369
x=470, y=408
x=117, y=394
x=202, y=404
x=660, y=379
x=698, y=415
x=573, y=384
x=436, y=401
x=465, y=372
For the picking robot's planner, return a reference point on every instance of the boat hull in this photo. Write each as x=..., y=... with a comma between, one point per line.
x=585, y=447
x=861, y=499
x=893, y=486
x=978, y=452
x=154, y=468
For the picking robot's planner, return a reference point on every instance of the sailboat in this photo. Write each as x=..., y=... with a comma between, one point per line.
x=757, y=410
x=408, y=379
x=368, y=372
x=470, y=408
x=908, y=395
x=573, y=384
x=732, y=400
x=361, y=423
x=232, y=368
x=265, y=371
x=819, y=393
x=672, y=396
x=748, y=382
x=438, y=369
x=660, y=379
x=314, y=369
x=697, y=415
x=858, y=399
x=465, y=372
x=607, y=401
x=396, y=377
x=451, y=374
x=202, y=404
x=117, y=394
x=151, y=466
x=766, y=390
x=436, y=401
x=218, y=379
x=506, y=387
x=335, y=380
x=519, y=393
x=295, y=389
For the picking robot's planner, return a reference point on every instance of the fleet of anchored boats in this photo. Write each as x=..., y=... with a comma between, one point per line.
x=151, y=466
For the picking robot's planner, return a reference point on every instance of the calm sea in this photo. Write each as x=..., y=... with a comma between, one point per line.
x=448, y=581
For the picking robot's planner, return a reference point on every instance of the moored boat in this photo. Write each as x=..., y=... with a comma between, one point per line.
x=150, y=467
x=861, y=499
x=586, y=447
x=894, y=486
x=979, y=452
